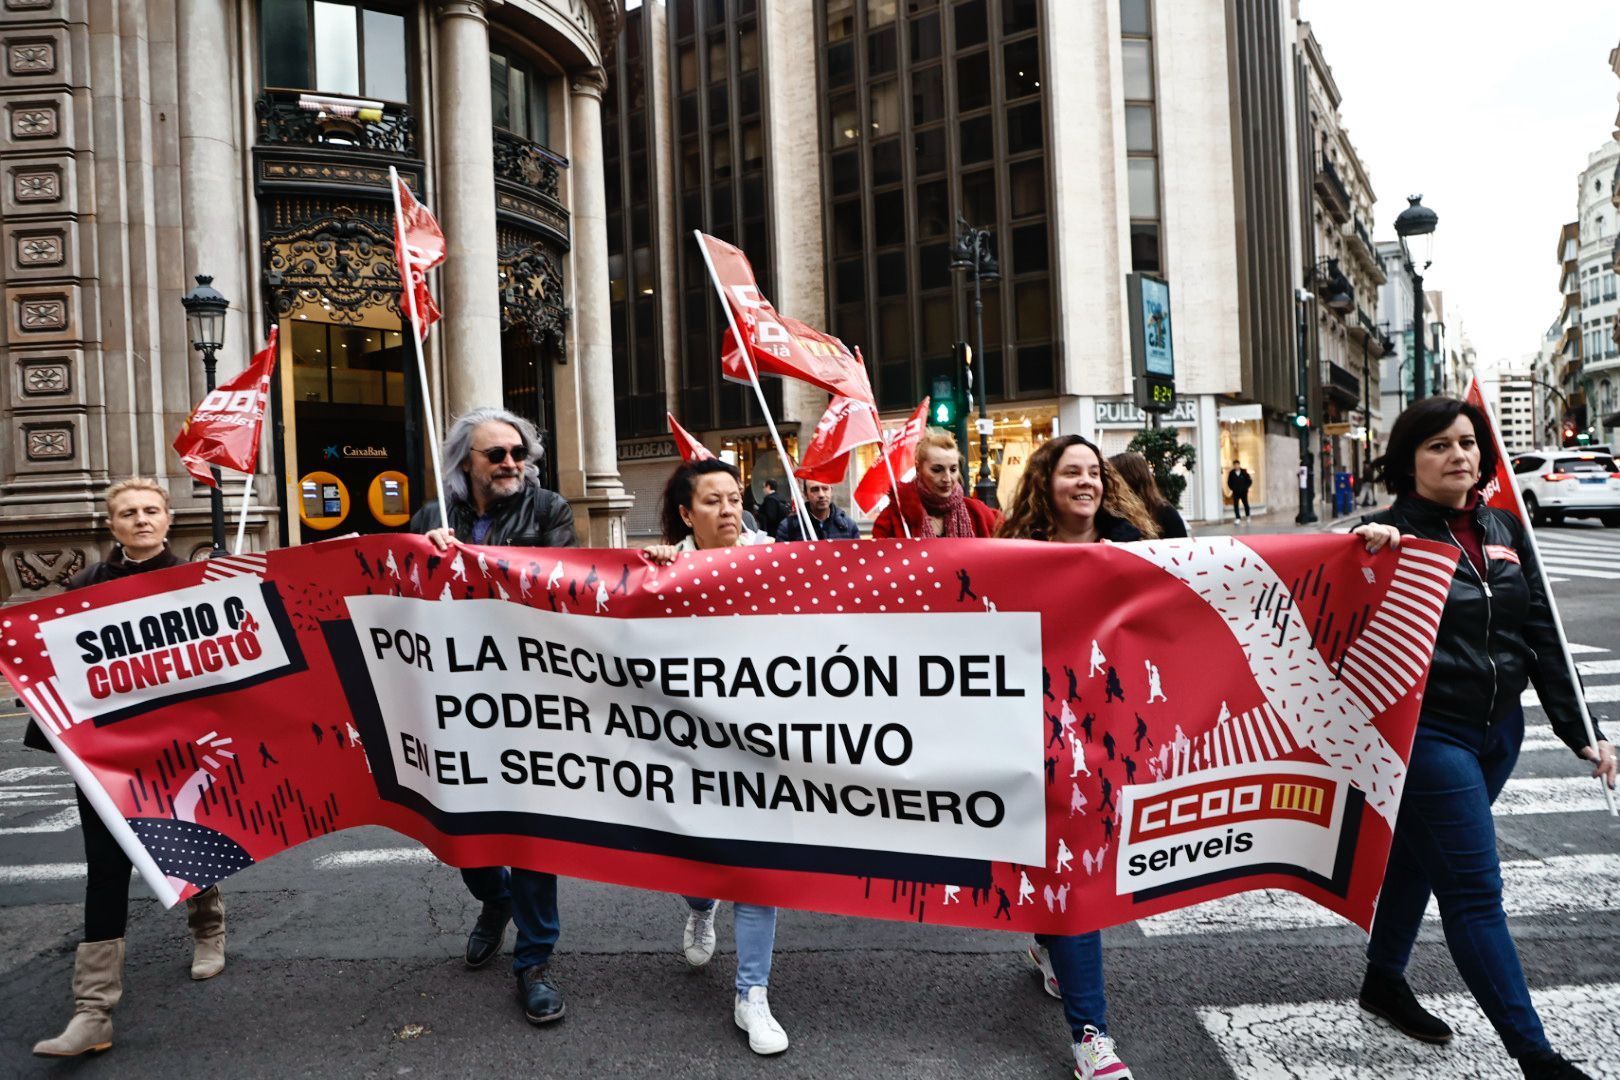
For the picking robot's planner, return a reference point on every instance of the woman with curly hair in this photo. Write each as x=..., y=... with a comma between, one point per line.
x=1134, y=469
x=1069, y=494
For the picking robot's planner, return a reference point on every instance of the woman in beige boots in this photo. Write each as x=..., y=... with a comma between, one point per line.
x=138, y=511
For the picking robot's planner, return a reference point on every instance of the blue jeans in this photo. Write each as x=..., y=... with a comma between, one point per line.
x=533, y=897
x=1078, y=964
x=1445, y=841
x=756, y=939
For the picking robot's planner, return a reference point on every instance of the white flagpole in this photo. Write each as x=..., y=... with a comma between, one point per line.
x=759, y=391
x=409, y=288
x=894, y=482
x=1552, y=604
x=241, y=521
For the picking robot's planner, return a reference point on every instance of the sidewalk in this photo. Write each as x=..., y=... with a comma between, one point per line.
x=1278, y=521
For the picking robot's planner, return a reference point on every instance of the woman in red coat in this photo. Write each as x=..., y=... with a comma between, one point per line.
x=934, y=504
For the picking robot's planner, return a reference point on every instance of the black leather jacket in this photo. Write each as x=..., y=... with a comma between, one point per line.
x=1496, y=634
x=534, y=517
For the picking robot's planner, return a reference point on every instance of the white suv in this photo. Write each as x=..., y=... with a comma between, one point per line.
x=1569, y=482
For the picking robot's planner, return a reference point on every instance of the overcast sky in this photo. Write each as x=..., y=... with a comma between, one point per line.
x=1511, y=99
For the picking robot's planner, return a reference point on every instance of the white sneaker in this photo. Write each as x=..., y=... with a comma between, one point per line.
x=1043, y=964
x=698, y=939
x=1094, y=1058
x=753, y=1015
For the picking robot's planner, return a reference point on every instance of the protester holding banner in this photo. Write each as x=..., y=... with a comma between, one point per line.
x=1070, y=495
x=493, y=493
x=1496, y=634
x=934, y=504
x=139, y=515
x=1134, y=469
x=702, y=511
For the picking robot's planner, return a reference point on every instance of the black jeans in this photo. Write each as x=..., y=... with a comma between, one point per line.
x=106, y=887
x=1243, y=501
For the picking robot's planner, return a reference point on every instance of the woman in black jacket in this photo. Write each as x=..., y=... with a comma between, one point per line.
x=138, y=513
x=1496, y=634
x=1134, y=469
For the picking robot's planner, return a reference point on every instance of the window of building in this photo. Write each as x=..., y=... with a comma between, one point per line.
x=517, y=97
x=354, y=49
x=1141, y=139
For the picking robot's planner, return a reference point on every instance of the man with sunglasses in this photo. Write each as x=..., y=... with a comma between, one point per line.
x=493, y=495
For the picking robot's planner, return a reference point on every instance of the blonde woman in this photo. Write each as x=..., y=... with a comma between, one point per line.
x=138, y=513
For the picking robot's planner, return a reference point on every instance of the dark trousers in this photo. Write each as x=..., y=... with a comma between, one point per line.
x=1077, y=961
x=1243, y=501
x=106, y=886
x=533, y=897
x=1445, y=842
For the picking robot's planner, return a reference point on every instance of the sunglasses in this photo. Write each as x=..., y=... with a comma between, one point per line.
x=497, y=454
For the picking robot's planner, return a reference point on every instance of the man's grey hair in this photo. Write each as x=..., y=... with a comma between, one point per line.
x=458, y=448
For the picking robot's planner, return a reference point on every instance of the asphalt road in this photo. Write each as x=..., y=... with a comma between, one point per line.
x=341, y=964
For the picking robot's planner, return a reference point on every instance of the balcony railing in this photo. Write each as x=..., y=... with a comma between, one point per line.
x=302, y=118
x=1341, y=383
x=528, y=164
x=1332, y=189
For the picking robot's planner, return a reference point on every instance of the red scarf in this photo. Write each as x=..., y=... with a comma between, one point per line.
x=958, y=522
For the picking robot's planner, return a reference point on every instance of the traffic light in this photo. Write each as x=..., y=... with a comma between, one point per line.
x=1302, y=420
x=946, y=407
x=1569, y=432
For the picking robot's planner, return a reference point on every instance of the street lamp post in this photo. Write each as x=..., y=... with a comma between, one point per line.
x=1307, y=481
x=972, y=251
x=1417, y=220
x=205, y=317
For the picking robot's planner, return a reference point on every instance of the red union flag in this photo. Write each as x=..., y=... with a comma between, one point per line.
x=418, y=248
x=779, y=345
x=872, y=493
x=1210, y=740
x=1500, y=491
x=690, y=449
x=224, y=429
x=846, y=424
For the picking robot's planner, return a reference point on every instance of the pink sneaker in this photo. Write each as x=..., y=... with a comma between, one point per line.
x=1043, y=966
x=1094, y=1058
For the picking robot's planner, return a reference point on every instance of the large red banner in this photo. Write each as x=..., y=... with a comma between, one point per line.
x=988, y=733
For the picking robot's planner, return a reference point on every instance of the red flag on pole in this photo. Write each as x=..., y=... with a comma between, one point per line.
x=1501, y=492
x=224, y=429
x=872, y=493
x=686, y=443
x=418, y=248
x=779, y=345
x=846, y=424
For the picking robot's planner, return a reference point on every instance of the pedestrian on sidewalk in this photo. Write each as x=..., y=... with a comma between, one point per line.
x=493, y=495
x=1238, y=482
x=934, y=504
x=773, y=509
x=1134, y=469
x=139, y=516
x=1070, y=495
x=702, y=511
x=1496, y=635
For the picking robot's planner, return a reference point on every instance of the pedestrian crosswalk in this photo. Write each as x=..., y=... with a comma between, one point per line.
x=1577, y=552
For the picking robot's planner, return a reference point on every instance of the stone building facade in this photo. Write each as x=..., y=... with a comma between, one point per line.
x=251, y=140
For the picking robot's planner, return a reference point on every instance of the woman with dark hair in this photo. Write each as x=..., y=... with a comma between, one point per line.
x=1134, y=469
x=1496, y=634
x=139, y=515
x=702, y=511
x=934, y=504
x=1069, y=494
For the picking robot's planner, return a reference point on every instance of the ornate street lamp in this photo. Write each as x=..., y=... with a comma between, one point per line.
x=205, y=318
x=973, y=252
x=1417, y=220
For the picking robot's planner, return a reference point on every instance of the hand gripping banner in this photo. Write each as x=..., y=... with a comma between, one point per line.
x=987, y=733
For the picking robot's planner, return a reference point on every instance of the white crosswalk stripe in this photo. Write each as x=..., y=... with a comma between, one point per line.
x=1320, y=1040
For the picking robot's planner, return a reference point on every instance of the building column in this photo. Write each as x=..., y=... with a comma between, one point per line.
x=601, y=510
x=464, y=202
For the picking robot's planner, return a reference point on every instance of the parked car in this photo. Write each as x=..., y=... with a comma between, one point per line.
x=1569, y=482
